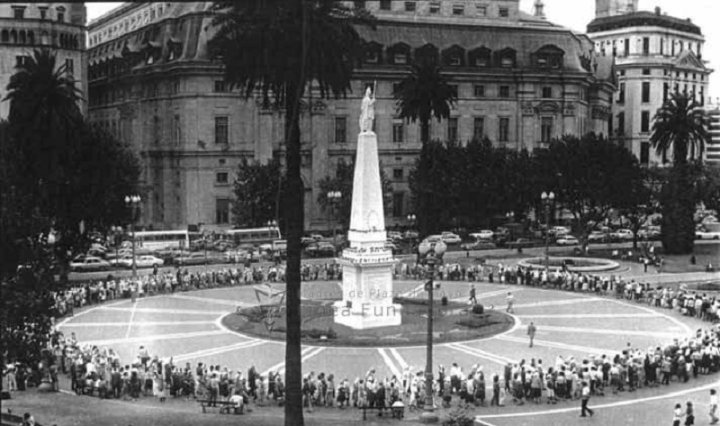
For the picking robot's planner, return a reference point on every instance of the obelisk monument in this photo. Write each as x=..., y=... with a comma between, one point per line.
x=367, y=264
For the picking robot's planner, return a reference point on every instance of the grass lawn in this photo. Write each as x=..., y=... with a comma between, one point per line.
x=453, y=322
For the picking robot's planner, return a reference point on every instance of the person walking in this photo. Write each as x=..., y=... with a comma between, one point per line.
x=585, y=398
x=510, y=301
x=473, y=299
x=677, y=415
x=531, y=329
x=689, y=414
x=713, y=407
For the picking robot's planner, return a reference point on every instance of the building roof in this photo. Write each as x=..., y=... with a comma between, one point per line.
x=642, y=19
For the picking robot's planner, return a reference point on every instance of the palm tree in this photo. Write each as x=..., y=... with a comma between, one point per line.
x=425, y=93
x=275, y=48
x=42, y=95
x=679, y=125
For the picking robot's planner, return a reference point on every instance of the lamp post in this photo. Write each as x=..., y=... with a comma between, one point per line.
x=412, y=220
x=333, y=198
x=547, y=200
x=117, y=232
x=430, y=254
x=133, y=203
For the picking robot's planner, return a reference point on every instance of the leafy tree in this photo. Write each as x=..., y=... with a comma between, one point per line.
x=274, y=49
x=258, y=191
x=343, y=182
x=645, y=199
x=708, y=186
x=58, y=177
x=680, y=125
x=587, y=175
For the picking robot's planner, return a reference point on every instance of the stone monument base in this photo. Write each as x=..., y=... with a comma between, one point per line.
x=367, y=315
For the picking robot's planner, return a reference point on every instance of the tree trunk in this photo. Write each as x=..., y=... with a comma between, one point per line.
x=294, y=220
x=425, y=132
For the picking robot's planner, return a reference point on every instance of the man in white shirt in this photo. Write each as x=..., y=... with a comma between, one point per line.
x=585, y=398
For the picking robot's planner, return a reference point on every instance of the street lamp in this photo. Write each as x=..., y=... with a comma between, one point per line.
x=333, y=198
x=547, y=200
x=133, y=203
x=117, y=232
x=430, y=254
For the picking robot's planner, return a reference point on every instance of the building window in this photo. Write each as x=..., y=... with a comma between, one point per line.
x=435, y=7
x=221, y=130
x=176, y=130
x=646, y=91
x=645, y=121
x=481, y=10
x=504, y=12
x=69, y=66
x=504, y=91
x=221, y=178
x=397, y=204
x=219, y=86
x=479, y=128
x=398, y=130
x=644, y=152
x=397, y=174
x=410, y=6
x=479, y=91
x=458, y=9
x=621, y=94
x=646, y=45
x=43, y=13
x=60, y=14
x=19, y=12
x=546, y=129
x=503, y=129
x=385, y=5
x=400, y=58
x=621, y=123
x=340, y=129
x=452, y=130
x=627, y=47
x=222, y=211
x=646, y=71
x=547, y=92
x=666, y=89
x=454, y=90
x=21, y=60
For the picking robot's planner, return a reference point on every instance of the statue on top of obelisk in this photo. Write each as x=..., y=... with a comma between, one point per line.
x=367, y=111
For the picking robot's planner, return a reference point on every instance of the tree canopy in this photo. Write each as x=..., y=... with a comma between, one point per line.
x=258, y=192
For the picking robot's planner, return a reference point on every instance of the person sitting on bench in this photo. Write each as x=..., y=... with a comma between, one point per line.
x=238, y=403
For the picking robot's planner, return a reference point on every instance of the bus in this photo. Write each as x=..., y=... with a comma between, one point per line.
x=253, y=236
x=163, y=240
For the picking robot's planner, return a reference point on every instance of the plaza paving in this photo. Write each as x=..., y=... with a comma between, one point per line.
x=187, y=327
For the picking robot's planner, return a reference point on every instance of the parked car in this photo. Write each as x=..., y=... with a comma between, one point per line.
x=622, y=235
x=649, y=233
x=558, y=231
x=411, y=235
x=522, y=243
x=195, y=258
x=394, y=236
x=320, y=249
x=567, y=240
x=484, y=234
x=450, y=238
x=598, y=237
x=392, y=247
x=704, y=235
x=306, y=241
x=478, y=245
x=89, y=264
x=433, y=238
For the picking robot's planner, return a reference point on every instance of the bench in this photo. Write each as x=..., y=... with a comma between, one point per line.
x=225, y=406
x=380, y=410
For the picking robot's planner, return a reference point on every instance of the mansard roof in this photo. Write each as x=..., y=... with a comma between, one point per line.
x=642, y=19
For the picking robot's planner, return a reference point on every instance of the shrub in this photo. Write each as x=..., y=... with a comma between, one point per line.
x=474, y=322
x=459, y=417
x=478, y=309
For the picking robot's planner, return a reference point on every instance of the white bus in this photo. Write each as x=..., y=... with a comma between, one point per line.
x=254, y=236
x=162, y=240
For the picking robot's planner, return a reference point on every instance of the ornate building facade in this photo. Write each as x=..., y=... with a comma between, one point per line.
x=520, y=81
x=28, y=26
x=655, y=55
x=712, y=150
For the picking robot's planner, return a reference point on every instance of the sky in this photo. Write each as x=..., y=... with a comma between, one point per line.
x=576, y=14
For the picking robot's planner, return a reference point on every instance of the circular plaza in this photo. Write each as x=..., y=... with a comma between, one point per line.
x=188, y=328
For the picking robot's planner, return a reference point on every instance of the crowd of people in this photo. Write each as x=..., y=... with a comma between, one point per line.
x=98, y=371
